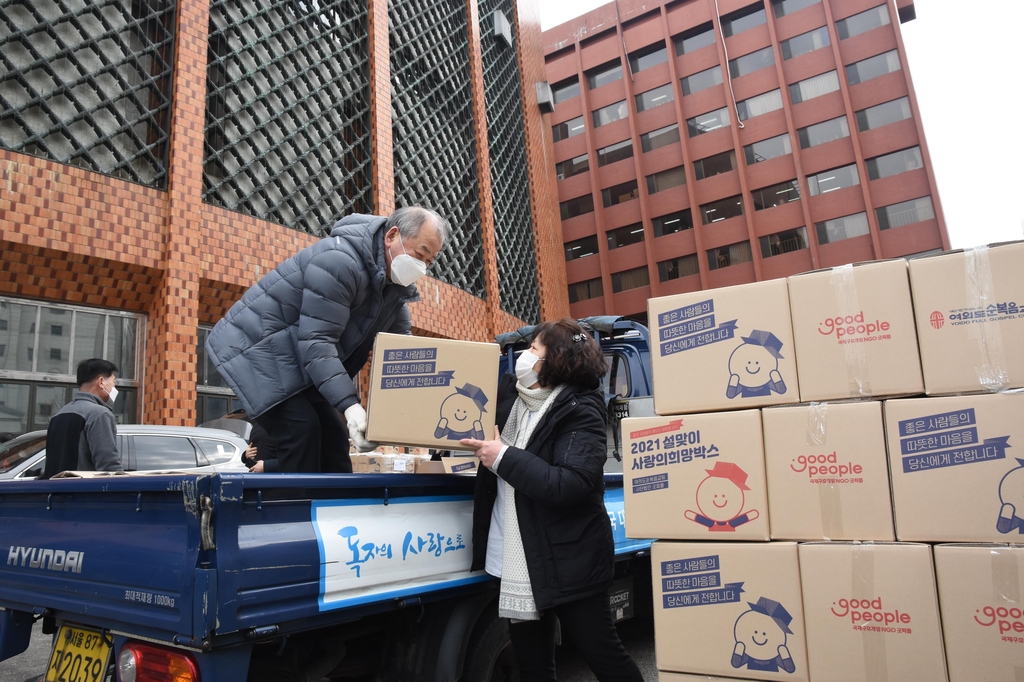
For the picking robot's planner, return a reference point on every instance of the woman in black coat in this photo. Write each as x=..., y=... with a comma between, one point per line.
x=539, y=522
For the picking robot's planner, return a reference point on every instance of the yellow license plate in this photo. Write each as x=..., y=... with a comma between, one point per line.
x=79, y=655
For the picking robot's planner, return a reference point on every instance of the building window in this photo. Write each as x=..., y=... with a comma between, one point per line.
x=624, y=236
x=743, y=20
x=776, y=195
x=645, y=58
x=610, y=113
x=630, y=279
x=620, y=194
x=3, y=349
x=749, y=63
x=895, y=163
x=574, y=166
x=883, y=114
x=816, y=86
x=715, y=165
x=615, y=152
x=55, y=353
x=838, y=229
x=705, y=123
x=583, y=291
x=826, y=131
x=805, y=42
x=722, y=209
x=783, y=242
x=604, y=74
x=675, y=268
x=3, y=325
x=660, y=137
x=662, y=94
x=831, y=180
x=214, y=398
x=581, y=248
x=566, y=89
x=694, y=39
x=567, y=129
x=767, y=149
x=734, y=254
x=784, y=7
x=905, y=213
x=759, y=104
x=666, y=179
x=577, y=206
x=672, y=223
x=702, y=80
x=873, y=67
x=863, y=22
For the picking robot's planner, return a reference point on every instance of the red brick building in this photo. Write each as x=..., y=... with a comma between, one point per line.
x=705, y=143
x=156, y=159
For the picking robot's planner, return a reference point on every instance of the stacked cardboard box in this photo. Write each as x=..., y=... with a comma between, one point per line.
x=850, y=476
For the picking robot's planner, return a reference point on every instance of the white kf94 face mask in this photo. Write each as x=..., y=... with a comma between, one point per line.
x=405, y=269
x=112, y=391
x=524, y=368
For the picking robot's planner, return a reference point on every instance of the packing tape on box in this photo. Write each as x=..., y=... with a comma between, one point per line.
x=856, y=361
x=992, y=373
x=876, y=665
x=1005, y=575
x=829, y=496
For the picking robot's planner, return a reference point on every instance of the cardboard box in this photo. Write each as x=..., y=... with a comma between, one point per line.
x=970, y=318
x=449, y=465
x=957, y=475
x=854, y=331
x=871, y=612
x=980, y=595
x=695, y=477
x=664, y=676
x=729, y=609
x=431, y=393
x=723, y=349
x=828, y=476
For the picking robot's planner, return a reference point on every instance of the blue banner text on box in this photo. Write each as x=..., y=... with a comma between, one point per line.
x=939, y=441
x=685, y=313
x=937, y=422
x=400, y=368
x=991, y=449
x=422, y=381
x=728, y=594
x=692, y=565
x=682, y=583
x=645, y=484
x=723, y=332
x=687, y=327
x=409, y=354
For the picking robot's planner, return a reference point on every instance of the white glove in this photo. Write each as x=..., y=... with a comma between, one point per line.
x=356, y=418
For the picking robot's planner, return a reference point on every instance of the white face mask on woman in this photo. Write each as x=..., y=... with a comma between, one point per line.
x=405, y=269
x=524, y=368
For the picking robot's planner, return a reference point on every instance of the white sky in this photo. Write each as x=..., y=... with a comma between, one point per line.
x=968, y=72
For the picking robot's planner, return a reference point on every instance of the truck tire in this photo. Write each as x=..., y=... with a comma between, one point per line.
x=489, y=657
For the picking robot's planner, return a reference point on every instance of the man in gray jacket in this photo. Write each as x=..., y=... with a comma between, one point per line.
x=291, y=345
x=82, y=436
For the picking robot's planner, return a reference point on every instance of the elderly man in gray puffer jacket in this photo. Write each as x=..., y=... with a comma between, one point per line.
x=291, y=345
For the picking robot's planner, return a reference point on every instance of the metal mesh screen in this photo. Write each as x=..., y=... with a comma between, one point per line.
x=88, y=83
x=288, y=111
x=432, y=122
x=510, y=180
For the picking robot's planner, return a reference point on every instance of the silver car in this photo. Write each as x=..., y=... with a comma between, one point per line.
x=142, y=448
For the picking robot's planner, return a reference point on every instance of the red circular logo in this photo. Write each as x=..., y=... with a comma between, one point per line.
x=937, y=319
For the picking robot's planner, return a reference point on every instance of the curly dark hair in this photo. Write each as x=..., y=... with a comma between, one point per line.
x=572, y=356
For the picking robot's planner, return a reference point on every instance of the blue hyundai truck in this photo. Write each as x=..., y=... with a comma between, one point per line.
x=234, y=577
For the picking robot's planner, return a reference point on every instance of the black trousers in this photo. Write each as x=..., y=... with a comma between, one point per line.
x=587, y=625
x=310, y=436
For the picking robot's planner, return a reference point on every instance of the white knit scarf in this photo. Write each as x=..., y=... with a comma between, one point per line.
x=515, y=599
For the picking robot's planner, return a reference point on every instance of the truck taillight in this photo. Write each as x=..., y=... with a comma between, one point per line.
x=148, y=663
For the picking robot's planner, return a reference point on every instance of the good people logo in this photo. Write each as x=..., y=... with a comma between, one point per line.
x=865, y=611
x=824, y=465
x=1006, y=619
x=849, y=327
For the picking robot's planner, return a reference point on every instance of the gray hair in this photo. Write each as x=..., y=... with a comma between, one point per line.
x=410, y=219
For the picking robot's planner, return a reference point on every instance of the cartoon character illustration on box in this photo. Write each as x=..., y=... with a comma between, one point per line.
x=1011, y=495
x=720, y=499
x=760, y=635
x=754, y=367
x=462, y=414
